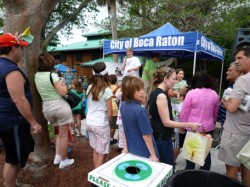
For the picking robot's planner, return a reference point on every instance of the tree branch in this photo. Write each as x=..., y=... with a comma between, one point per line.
x=64, y=22
x=137, y=13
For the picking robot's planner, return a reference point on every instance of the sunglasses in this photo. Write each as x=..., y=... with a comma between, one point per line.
x=168, y=70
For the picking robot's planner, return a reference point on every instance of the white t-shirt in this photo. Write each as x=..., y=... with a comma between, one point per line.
x=132, y=63
x=97, y=114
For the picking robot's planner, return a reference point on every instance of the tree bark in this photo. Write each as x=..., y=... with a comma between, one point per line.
x=20, y=14
x=114, y=26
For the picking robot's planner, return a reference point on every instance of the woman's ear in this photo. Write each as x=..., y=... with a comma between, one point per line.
x=165, y=79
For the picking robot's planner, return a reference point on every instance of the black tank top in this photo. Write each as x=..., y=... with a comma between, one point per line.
x=160, y=132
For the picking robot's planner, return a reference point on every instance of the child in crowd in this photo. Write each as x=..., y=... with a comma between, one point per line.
x=176, y=94
x=77, y=111
x=138, y=133
x=119, y=119
x=99, y=114
x=113, y=127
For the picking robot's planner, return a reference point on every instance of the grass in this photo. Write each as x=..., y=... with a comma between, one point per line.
x=51, y=132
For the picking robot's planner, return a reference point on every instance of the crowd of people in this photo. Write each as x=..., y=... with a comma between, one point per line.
x=152, y=113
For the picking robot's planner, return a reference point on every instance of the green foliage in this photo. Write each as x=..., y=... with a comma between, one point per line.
x=231, y=18
x=51, y=132
x=217, y=20
x=1, y=14
x=145, y=15
x=64, y=9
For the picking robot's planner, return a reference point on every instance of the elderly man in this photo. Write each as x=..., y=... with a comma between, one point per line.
x=236, y=131
x=131, y=64
x=233, y=73
x=15, y=109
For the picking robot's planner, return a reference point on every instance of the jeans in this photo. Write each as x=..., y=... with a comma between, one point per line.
x=166, y=151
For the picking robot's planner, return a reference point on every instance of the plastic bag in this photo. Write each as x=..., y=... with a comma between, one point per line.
x=244, y=155
x=196, y=147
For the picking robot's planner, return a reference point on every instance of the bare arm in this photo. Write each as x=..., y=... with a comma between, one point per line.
x=15, y=85
x=231, y=104
x=149, y=143
x=148, y=75
x=125, y=147
x=162, y=104
x=61, y=88
x=109, y=108
x=172, y=93
x=123, y=64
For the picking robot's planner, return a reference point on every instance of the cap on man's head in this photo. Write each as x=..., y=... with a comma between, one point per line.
x=7, y=40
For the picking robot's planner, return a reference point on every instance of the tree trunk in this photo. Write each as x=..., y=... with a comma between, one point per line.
x=114, y=25
x=20, y=14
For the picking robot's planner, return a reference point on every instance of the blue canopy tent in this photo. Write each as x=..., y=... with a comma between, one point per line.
x=62, y=68
x=172, y=44
x=167, y=29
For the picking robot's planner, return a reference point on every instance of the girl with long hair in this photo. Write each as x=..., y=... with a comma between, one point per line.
x=99, y=114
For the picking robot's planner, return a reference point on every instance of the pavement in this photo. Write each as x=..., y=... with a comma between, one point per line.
x=216, y=166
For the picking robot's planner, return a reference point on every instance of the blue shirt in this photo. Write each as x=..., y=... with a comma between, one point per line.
x=9, y=114
x=69, y=78
x=222, y=111
x=136, y=124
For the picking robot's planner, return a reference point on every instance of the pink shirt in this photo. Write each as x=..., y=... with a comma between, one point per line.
x=201, y=105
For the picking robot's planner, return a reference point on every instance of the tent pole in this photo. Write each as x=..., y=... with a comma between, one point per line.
x=103, y=49
x=194, y=65
x=195, y=54
x=222, y=68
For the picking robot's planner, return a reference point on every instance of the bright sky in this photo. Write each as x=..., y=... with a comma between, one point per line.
x=77, y=34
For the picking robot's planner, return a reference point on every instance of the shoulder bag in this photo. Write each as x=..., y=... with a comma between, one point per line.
x=72, y=99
